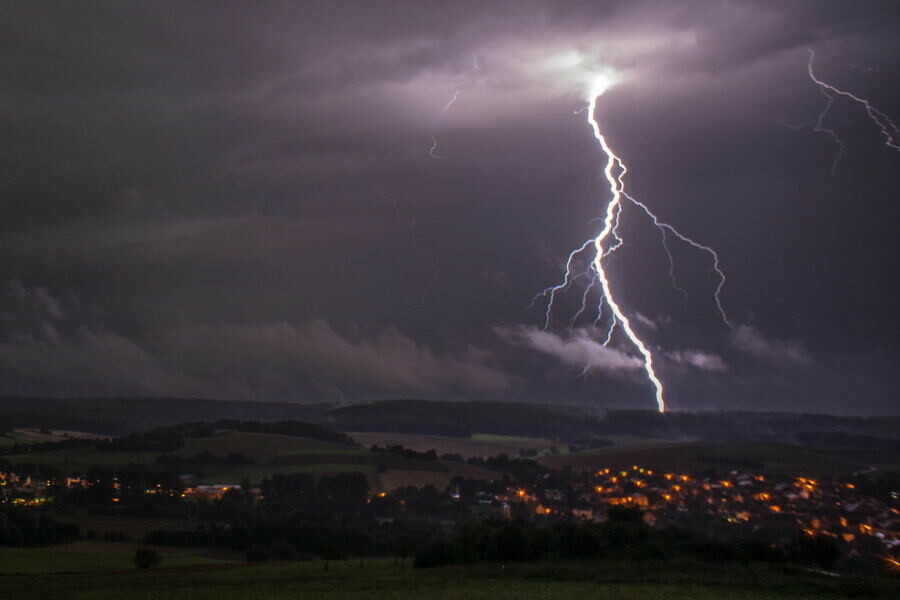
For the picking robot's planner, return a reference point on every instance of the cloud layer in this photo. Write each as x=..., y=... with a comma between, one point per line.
x=750, y=340
x=263, y=361
x=579, y=351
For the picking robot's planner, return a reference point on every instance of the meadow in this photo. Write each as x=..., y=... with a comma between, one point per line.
x=86, y=557
x=484, y=444
x=49, y=574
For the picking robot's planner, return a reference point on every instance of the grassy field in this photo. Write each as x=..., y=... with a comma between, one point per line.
x=482, y=445
x=85, y=557
x=256, y=473
x=383, y=579
x=264, y=447
x=79, y=460
x=773, y=458
x=32, y=436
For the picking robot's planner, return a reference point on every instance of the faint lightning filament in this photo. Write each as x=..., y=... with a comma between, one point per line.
x=888, y=128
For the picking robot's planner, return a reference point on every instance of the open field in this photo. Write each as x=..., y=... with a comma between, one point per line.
x=765, y=457
x=482, y=445
x=86, y=557
x=32, y=436
x=52, y=435
x=394, y=478
x=264, y=447
x=383, y=579
x=256, y=473
x=134, y=527
x=79, y=460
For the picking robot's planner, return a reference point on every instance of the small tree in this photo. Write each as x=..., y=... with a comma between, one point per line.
x=145, y=558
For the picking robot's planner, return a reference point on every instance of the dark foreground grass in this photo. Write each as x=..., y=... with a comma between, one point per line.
x=81, y=557
x=383, y=579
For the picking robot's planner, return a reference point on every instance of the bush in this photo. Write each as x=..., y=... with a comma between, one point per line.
x=145, y=558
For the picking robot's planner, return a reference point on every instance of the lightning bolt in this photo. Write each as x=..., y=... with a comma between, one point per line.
x=434, y=143
x=610, y=225
x=607, y=241
x=888, y=128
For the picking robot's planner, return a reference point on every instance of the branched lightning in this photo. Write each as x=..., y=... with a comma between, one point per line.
x=551, y=291
x=665, y=227
x=609, y=239
x=888, y=128
x=607, y=242
x=610, y=224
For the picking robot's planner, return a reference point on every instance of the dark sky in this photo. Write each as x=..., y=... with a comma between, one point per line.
x=238, y=201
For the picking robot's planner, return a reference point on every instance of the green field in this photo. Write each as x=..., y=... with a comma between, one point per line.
x=383, y=579
x=482, y=445
x=79, y=460
x=263, y=447
x=83, y=557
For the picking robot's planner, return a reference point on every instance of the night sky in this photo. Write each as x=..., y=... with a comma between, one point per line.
x=239, y=200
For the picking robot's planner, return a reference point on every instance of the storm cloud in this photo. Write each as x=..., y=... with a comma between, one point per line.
x=235, y=201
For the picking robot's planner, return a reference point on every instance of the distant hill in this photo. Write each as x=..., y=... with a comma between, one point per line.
x=462, y=419
x=123, y=415
x=743, y=425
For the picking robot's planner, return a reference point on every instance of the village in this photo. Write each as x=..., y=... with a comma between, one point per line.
x=738, y=505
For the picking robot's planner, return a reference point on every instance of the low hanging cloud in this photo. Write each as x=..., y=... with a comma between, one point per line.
x=646, y=321
x=704, y=361
x=37, y=299
x=280, y=354
x=86, y=363
x=579, y=350
x=256, y=361
x=750, y=340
